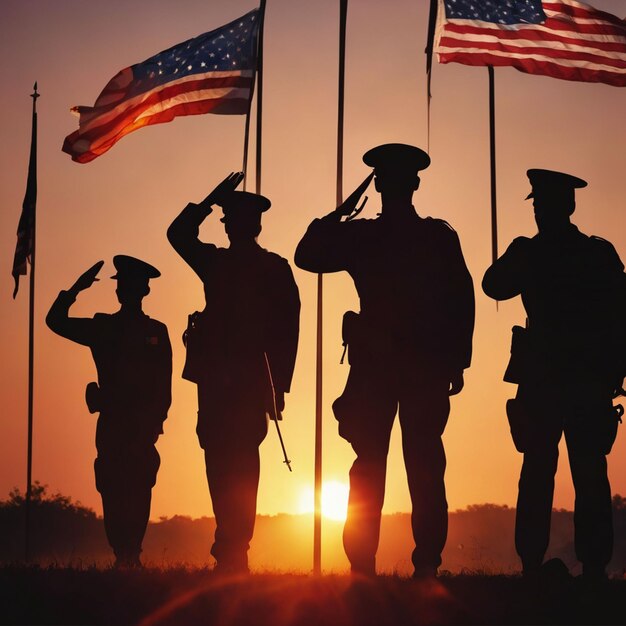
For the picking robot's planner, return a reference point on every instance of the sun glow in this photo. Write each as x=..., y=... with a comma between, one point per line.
x=334, y=500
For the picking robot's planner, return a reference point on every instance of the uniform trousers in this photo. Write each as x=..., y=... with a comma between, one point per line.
x=126, y=470
x=232, y=423
x=366, y=411
x=584, y=414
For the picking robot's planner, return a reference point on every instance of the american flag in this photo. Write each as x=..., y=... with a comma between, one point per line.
x=26, y=226
x=558, y=38
x=212, y=73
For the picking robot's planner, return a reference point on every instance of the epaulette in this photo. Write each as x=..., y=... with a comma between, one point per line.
x=155, y=322
x=275, y=256
x=438, y=220
x=606, y=248
x=601, y=239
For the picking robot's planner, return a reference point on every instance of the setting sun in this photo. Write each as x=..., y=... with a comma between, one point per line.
x=334, y=500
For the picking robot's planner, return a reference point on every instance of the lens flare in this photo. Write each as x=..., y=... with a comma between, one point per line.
x=334, y=500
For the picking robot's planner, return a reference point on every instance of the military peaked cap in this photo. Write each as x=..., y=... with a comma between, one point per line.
x=242, y=204
x=130, y=267
x=393, y=156
x=553, y=181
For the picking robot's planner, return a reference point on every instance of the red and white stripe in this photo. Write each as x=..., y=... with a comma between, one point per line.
x=576, y=42
x=115, y=115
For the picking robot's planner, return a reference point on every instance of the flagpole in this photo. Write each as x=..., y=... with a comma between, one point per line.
x=492, y=160
x=246, y=142
x=340, y=100
x=246, y=136
x=259, y=98
x=31, y=340
x=430, y=39
x=317, y=525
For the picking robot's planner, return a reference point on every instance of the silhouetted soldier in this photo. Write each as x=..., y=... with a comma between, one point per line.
x=568, y=363
x=133, y=359
x=248, y=329
x=408, y=346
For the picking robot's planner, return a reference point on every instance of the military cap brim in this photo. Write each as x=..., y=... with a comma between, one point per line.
x=243, y=203
x=397, y=155
x=131, y=267
x=558, y=181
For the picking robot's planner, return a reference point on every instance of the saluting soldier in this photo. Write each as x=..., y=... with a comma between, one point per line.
x=241, y=352
x=407, y=348
x=133, y=360
x=568, y=362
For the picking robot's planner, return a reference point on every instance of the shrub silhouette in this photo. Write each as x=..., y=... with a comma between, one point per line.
x=61, y=529
x=480, y=539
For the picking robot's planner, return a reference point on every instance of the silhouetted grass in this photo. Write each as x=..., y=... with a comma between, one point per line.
x=32, y=595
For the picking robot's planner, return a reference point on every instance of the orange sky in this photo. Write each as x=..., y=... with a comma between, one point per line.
x=124, y=201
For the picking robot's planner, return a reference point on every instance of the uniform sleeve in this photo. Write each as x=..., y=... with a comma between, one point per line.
x=461, y=294
x=505, y=278
x=620, y=330
x=80, y=330
x=284, y=327
x=326, y=245
x=615, y=306
x=163, y=384
x=183, y=235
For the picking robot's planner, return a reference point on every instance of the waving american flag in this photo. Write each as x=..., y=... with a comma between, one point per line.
x=558, y=38
x=211, y=73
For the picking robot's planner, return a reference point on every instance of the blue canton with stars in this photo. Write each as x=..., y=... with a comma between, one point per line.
x=230, y=47
x=496, y=11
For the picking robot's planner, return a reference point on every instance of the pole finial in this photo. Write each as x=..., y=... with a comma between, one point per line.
x=35, y=94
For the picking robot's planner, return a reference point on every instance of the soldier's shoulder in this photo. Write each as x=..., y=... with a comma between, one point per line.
x=604, y=249
x=523, y=240
x=600, y=243
x=357, y=225
x=438, y=223
x=103, y=318
x=523, y=245
x=273, y=259
x=438, y=227
x=363, y=231
x=156, y=324
x=362, y=222
x=103, y=326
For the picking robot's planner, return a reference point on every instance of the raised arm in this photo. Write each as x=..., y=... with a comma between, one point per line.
x=327, y=243
x=183, y=231
x=58, y=320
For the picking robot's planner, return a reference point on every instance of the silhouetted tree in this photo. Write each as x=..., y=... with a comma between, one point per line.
x=61, y=529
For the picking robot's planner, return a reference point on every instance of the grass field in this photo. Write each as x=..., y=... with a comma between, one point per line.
x=151, y=597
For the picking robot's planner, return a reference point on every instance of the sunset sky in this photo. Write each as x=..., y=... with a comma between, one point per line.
x=124, y=201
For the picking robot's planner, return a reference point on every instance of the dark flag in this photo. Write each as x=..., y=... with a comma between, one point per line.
x=26, y=226
x=211, y=73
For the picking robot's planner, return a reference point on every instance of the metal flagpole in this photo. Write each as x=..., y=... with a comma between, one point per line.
x=259, y=98
x=492, y=159
x=430, y=39
x=317, y=525
x=31, y=330
x=246, y=142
